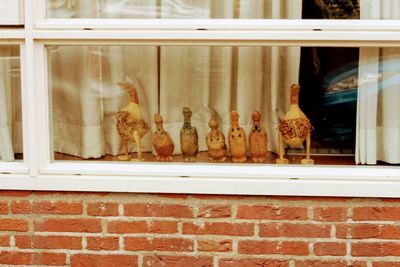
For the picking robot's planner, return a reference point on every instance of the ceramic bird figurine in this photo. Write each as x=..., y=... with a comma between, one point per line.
x=237, y=139
x=162, y=141
x=188, y=137
x=257, y=139
x=130, y=124
x=215, y=141
x=294, y=129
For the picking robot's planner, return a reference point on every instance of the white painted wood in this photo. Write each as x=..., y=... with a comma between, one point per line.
x=255, y=171
x=11, y=12
x=221, y=38
x=205, y=185
x=219, y=24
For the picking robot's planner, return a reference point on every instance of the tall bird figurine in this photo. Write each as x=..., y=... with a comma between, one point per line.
x=162, y=141
x=257, y=139
x=237, y=139
x=216, y=143
x=130, y=124
x=294, y=129
x=188, y=137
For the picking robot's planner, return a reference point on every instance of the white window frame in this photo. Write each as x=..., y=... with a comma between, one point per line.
x=39, y=172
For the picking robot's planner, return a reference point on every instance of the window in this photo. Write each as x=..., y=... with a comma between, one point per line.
x=102, y=72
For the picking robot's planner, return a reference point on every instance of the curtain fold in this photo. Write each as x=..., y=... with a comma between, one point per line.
x=378, y=112
x=10, y=103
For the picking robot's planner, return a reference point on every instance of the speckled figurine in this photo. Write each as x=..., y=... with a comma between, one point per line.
x=257, y=139
x=237, y=139
x=294, y=129
x=162, y=141
x=188, y=137
x=216, y=143
x=130, y=124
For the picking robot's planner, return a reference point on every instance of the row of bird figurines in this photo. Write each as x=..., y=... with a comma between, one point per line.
x=294, y=129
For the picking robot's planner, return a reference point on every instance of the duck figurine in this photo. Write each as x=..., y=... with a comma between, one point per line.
x=188, y=137
x=294, y=129
x=162, y=141
x=215, y=141
x=130, y=124
x=257, y=139
x=237, y=139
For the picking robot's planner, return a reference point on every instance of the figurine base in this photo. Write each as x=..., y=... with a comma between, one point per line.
x=164, y=159
x=282, y=161
x=307, y=161
x=124, y=157
x=210, y=159
x=239, y=160
x=189, y=159
x=137, y=160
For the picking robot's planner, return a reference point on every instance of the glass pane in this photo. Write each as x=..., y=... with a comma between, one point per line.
x=104, y=101
x=204, y=9
x=10, y=104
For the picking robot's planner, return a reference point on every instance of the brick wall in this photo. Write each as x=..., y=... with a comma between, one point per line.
x=102, y=229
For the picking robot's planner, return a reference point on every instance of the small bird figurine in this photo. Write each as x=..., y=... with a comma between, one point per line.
x=130, y=124
x=188, y=137
x=237, y=139
x=257, y=139
x=294, y=129
x=162, y=141
x=216, y=143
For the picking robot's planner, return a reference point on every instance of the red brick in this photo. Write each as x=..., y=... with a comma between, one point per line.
x=12, y=193
x=375, y=249
x=215, y=245
x=102, y=209
x=68, y=225
x=219, y=228
x=362, y=231
x=3, y=207
x=295, y=230
x=219, y=197
x=15, y=258
x=4, y=241
x=273, y=247
x=157, y=210
x=17, y=225
x=357, y=231
x=330, y=214
x=102, y=243
x=175, y=196
x=376, y=214
x=330, y=249
x=177, y=261
x=214, y=211
x=257, y=262
x=92, y=260
x=320, y=263
x=57, y=207
x=314, y=199
x=158, y=244
x=271, y=213
x=53, y=259
x=163, y=227
x=20, y=207
x=131, y=227
x=48, y=242
x=46, y=207
x=386, y=264
x=389, y=232
x=127, y=227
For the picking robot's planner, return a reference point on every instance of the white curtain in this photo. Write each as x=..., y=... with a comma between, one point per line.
x=10, y=103
x=378, y=111
x=209, y=80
